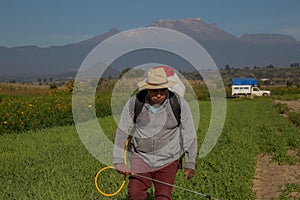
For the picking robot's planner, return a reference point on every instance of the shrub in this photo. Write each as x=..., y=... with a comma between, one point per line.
x=281, y=108
x=294, y=117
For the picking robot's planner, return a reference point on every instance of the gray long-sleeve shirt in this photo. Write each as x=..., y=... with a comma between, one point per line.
x=156, y=136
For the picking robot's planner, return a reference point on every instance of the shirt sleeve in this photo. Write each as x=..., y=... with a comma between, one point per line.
x=122, y=132
x=188, y=134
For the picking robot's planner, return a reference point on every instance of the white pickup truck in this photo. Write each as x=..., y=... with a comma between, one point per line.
x=247, y=87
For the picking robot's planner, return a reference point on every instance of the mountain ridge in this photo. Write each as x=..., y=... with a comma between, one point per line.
x=261, y=38
x=226, y=49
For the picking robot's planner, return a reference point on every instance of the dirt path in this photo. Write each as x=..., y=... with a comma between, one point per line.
x=270, y=178
x=293, y=105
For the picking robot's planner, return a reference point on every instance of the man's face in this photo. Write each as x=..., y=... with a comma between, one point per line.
x=157, y=96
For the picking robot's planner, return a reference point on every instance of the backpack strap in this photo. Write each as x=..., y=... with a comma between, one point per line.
x=140, y=101
x=175, y=105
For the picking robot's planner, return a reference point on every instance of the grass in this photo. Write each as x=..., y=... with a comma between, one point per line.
x=49, y=164
x=54, y=164
x=289, y=190
x=23, y=89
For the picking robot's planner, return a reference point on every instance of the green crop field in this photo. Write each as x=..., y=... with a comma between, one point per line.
x=52, y=163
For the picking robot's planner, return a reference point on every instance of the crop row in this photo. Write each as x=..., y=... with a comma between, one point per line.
x=21, y=113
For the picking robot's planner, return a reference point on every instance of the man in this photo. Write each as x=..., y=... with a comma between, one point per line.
x=158, y=140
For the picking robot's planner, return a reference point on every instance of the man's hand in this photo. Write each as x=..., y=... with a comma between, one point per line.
x=189, y=173
x=122, y=168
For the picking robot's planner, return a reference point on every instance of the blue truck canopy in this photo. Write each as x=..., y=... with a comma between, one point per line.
x=244, y=81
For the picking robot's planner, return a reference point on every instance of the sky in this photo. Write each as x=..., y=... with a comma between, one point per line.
x=46, y=23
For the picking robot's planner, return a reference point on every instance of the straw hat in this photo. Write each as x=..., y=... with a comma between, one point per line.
x=156, y=79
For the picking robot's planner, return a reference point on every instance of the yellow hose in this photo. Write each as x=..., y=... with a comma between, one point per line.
x=103, y=193
x=111, y=167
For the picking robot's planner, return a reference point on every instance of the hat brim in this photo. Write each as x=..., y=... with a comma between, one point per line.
x=144, y=85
